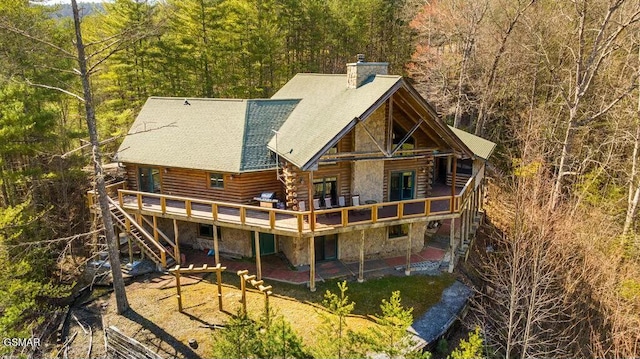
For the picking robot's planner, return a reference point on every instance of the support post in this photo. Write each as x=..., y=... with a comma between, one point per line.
x=312, y=264
x=256, y=241
x=463, y=225
x=243, y=289
x=407, y=271
x=453, y=177
x=215, y=244
x=452, y=244
x=361, y=267
x=155, y=229
x=312, y=216
x=219, y=279
x=130, y=248
x=176, y=234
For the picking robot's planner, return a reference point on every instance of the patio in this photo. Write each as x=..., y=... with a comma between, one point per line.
x=275, y=267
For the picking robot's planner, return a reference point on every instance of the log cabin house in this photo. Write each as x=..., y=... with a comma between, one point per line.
x=346, y=167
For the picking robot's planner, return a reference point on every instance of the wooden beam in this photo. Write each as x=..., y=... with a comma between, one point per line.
x=312, y=216
x=407, y=136
x=453, y=182
x=256, y=239
x=361, y=266
x=389, y=124
x=381, y=148
x=215, y=244
x=176, y=234
x=312, y=264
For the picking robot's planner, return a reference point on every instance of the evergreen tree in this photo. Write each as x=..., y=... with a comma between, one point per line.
x=391, y=337
x=470, y=348
x=335, y=340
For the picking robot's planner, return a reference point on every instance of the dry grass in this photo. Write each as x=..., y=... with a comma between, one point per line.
x=154, y=319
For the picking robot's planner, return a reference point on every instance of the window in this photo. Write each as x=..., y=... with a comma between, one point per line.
x=397, y=231
x=216, y=180
x=326, y=187
x=398, y=135
x=206, y=230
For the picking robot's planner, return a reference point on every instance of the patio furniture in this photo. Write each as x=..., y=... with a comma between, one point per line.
x=302, y=206
x=316, y=203
x=355, y=200
x=341, y=202
x=327, y=203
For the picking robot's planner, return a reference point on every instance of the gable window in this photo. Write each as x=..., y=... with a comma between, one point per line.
x=216, y=180
x=398, y=135
x=398, y=231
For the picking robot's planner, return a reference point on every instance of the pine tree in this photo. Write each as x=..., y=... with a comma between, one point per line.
x=391, y=337
x=470, y=348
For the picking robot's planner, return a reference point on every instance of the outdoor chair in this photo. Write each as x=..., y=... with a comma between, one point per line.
x=355, y=201
x=327, y=203
x=316, y=203
x=302, y=206
x=341, y=202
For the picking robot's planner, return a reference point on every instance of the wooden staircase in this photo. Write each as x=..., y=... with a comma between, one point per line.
x=147, y=243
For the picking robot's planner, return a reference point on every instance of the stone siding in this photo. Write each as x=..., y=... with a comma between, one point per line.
x=296, y=249
x=368, y=176
x=377, y=244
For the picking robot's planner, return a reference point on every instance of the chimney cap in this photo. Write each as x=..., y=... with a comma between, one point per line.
x=360, y=57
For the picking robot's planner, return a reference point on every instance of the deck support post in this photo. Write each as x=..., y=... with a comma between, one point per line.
x=215, y=244
x=464, y=225
x=452, y=244
x=256, y=239
x=312, y=264
x=176, y=235
x=361, y=266
x=407, y=271
x=453, y=183
x=130, y=248
x=155, y=229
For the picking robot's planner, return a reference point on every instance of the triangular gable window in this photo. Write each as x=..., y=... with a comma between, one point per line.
x=398, y=135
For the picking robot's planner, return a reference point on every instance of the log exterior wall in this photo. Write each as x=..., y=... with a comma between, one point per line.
x=238, y=188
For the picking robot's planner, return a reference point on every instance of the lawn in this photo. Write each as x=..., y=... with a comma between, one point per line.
x=155, y=321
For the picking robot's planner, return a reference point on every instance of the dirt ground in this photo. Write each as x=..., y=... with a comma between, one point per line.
x=154, y=319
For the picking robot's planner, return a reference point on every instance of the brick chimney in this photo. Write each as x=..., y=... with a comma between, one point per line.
x=359, y=72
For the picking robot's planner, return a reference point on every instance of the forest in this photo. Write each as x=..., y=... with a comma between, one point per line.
x=555, y=83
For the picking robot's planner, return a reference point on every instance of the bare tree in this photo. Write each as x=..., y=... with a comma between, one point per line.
x=634, y=176
x=112, y=241
x=590, y=52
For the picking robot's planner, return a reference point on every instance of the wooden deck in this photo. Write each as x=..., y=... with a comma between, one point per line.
x=294, y=223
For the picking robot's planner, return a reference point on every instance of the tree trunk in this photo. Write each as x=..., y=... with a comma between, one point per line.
x=112, y=241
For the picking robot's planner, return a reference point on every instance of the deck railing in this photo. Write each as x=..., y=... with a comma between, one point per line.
x=288, y=220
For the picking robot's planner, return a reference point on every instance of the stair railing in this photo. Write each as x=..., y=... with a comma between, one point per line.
x=162, y=259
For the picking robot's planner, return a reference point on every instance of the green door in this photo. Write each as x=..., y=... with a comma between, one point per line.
x=402, y=185
x=149, y=179
x=326, y=247
x=267, y=244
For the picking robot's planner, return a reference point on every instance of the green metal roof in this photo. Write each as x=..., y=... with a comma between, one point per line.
x=478, y=145
x=326, y=109
x=209, y=134
x=262, y=119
